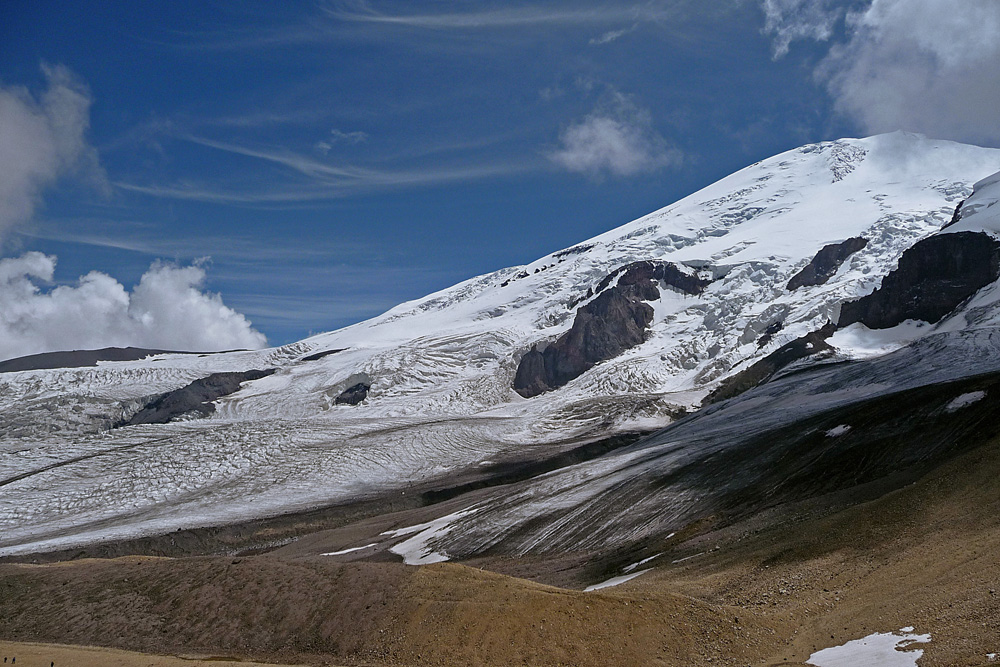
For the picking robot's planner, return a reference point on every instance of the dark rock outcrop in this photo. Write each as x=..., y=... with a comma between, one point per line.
x=764, y=370
x=316, y=356
x=933, y=277
x=353, y=394
x=826, y=262
x=956, y=216
x=196, y=397
x=78, y=358
x=614, y=321
x=650, y=272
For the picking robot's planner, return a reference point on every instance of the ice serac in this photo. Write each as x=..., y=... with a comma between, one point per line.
x=614, y=321
x=826, y=262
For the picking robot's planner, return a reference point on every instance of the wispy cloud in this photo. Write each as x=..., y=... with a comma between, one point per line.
x=788, y=21
x=508, y=17
x=322, y=180
x=338, y=136
x=612, y=35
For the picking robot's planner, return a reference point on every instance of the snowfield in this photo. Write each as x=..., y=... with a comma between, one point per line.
x=441, y=368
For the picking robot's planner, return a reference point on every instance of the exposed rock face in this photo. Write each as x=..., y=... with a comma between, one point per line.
x=647, y=271
x=933, y=277
x=353, y=394
x=956, y=216
x=78, y=358
x=196, y=397
x=764, y=370
x=826, y=262
x=319, y=355
x=611, y=323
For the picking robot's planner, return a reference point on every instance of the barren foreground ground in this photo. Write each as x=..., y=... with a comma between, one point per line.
x=767, y=592
x=42, y=655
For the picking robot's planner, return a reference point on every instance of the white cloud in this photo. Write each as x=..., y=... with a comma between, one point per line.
x=167, y=310
x=611, y=35
x=930, y=66
x=791, y=20
x=617, y=138
x=927, y=66
x=41, y=140
x=339, y=136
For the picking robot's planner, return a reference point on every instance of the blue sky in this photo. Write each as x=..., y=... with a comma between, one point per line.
x=319, y=162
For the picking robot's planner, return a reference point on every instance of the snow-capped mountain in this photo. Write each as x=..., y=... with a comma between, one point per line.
x=624, y=331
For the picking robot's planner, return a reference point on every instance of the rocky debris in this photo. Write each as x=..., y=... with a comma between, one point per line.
x=353, y=394
x=764, y=370
x=933, y=277
x=196, y=398
x=78, y=358
x=826, y=262
x=614, y=321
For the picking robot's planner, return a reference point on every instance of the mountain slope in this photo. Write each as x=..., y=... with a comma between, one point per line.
x=440, y=371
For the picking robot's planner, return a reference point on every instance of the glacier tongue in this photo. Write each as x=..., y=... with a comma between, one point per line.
x=441, y=368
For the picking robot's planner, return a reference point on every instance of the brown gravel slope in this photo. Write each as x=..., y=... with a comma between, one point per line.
x=764, y=593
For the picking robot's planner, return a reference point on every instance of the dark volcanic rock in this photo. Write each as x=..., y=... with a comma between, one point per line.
x=932, y=279
x=956, y=216
x=195, y=397
x=826, y=262
x=319, y=355
x=650, y=272
x=78, y=358
x=614, y=321
x=354, y=394
x=764, y=370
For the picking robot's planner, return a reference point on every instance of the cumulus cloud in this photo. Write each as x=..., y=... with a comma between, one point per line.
x=927, y=66
x=41, y=140
x=617, y=138
x=930, y=66
x=168, y=309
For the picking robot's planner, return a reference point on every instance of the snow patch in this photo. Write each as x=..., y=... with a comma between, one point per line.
x=965, y=400
x=615, y=581
x=877, y=650
x=629, y=568
x=838, y=430
x=860, y=342
x=347, y=551
x=417, y=549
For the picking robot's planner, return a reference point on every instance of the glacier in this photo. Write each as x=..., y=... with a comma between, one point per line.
x=441, y=368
